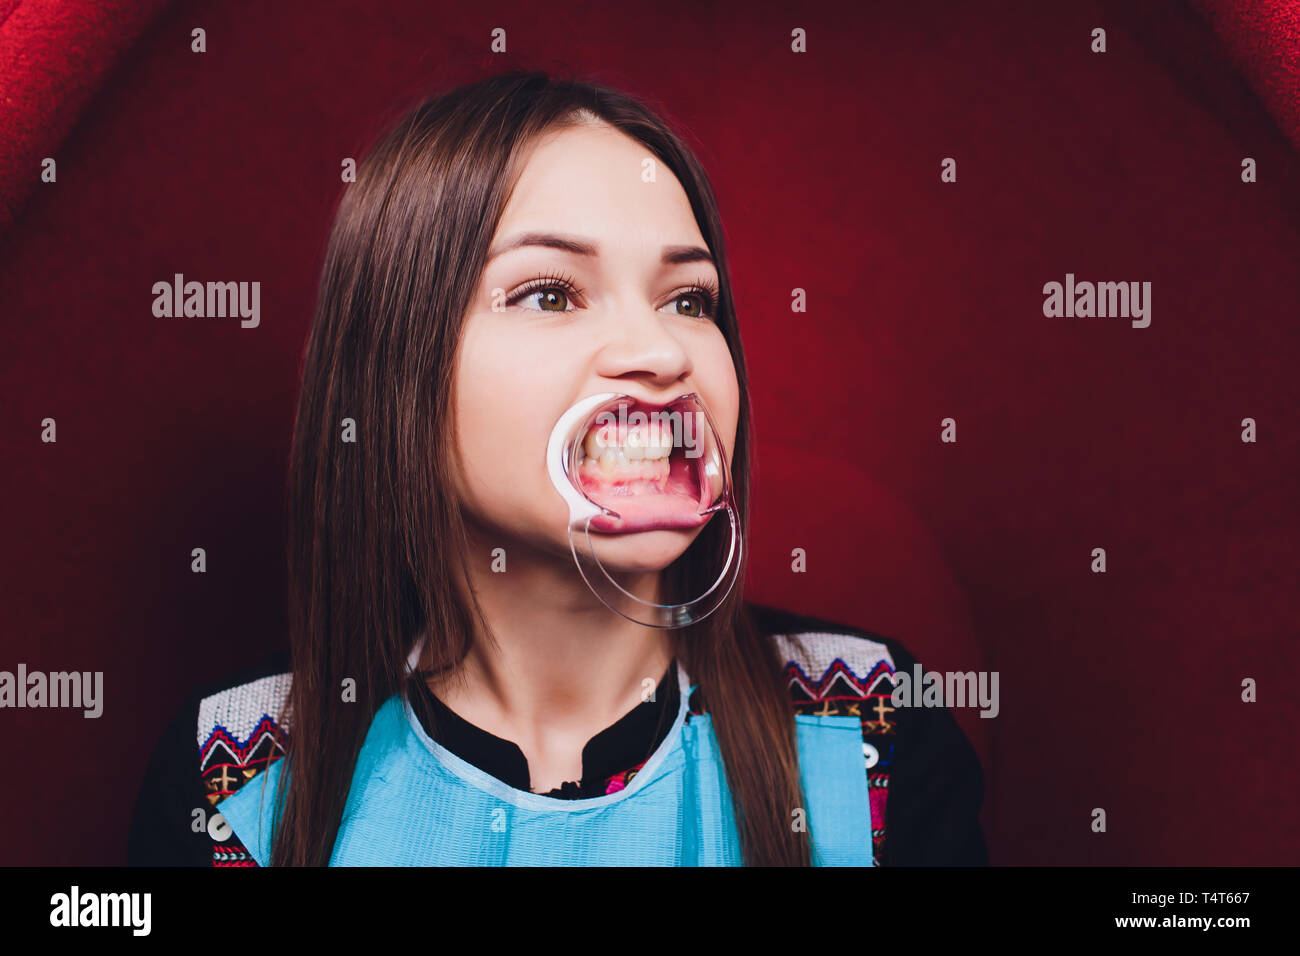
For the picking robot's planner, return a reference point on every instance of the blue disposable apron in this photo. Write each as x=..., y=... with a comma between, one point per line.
x=412, y=802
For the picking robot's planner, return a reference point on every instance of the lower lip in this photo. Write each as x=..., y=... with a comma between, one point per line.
x=641, y=506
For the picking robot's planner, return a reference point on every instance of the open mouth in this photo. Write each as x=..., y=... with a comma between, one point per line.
x=646, y=463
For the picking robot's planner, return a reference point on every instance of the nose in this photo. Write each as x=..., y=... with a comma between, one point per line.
x=644, y=349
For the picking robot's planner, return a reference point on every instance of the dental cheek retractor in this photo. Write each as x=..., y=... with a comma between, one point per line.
x=624, y=467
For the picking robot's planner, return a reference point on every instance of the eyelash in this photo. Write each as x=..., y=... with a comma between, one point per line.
x=706, y=289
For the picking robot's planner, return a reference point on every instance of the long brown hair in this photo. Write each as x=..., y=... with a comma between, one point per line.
x=376, y=544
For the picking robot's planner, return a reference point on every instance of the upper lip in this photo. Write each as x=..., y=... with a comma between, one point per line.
x=649, y=405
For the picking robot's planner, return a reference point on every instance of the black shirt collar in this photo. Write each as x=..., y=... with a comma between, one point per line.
x=622, y=746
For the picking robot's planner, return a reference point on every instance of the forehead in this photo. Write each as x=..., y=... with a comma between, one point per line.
x=590, y=180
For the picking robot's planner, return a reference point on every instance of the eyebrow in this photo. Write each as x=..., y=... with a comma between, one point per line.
x=672, y=255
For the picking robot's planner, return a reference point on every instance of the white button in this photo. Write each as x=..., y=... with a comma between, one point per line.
x=871, y=753
x=219, y=829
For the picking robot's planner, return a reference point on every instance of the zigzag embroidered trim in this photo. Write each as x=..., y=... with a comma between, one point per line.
x=238, y=738
x=854, y=677
x=828, y=674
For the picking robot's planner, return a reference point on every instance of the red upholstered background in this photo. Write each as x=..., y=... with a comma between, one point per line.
x=1118, y=690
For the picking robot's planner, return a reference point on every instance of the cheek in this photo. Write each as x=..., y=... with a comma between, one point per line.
x=505, y=391
x=716, y=374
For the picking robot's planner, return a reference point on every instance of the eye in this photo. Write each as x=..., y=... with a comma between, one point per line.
x=698, y=301
x=550, y=299
x=552, y=293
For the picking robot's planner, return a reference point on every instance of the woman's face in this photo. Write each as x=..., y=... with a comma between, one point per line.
x=590, y=287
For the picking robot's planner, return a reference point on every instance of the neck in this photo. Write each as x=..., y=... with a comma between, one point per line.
x=558, y=666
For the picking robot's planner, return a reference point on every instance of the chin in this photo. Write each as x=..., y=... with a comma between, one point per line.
x=641, y=551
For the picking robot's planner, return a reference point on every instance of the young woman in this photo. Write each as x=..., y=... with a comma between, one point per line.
x=458, y=692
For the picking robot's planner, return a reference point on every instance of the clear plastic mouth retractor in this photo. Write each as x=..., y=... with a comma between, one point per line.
x=610, y=458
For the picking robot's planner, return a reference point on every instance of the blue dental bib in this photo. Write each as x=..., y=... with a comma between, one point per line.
x=412, y=802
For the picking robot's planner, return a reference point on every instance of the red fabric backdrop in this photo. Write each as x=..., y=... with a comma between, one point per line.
x=1119, y=691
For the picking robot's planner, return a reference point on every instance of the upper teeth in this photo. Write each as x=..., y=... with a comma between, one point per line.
x=639, y=442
